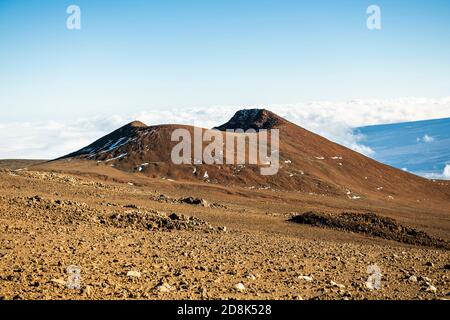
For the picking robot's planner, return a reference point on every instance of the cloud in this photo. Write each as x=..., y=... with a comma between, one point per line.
x=445, y=175
x=333, y=120
x=51, y=139
x=426, y=138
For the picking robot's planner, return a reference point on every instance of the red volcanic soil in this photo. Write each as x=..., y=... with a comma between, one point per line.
x=308, y=162
x=337, y=178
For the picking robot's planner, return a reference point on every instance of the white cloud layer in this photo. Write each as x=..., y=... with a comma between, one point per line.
x=445, y=175
x=334, y=120
x=426, y=138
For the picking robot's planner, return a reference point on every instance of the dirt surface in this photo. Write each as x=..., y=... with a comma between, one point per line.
x=121, y=232
x=13, y=164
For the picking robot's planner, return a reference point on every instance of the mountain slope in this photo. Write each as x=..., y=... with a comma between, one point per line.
x=308, y=162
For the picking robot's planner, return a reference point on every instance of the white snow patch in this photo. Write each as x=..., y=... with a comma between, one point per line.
x=119, y=157
x=141, y=167
x=110, y=148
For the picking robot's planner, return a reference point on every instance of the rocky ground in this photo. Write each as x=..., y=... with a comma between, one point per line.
x=370, y=224
x=131, y=242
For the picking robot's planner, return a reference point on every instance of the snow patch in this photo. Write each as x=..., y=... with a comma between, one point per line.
x=141, y=167
x=118, y=157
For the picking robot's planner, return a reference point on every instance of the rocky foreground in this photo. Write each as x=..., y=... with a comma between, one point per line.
x=131, y=242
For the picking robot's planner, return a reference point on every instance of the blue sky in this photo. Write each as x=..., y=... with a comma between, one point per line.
x=132, y=56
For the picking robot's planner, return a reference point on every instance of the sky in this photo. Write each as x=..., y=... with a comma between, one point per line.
x=164, y=60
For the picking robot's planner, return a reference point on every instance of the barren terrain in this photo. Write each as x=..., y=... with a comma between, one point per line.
x=222, y=243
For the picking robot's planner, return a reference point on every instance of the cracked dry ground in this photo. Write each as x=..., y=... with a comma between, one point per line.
x=51, y=221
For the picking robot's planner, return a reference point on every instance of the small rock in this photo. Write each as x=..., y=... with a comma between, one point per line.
x=202, y=291
x=134, y=274
x=370, y=285
x=204, y=203
x=174, y=216
x=431, y=289
x=58, y=281
x=306, y=278
x=164, y=287
x=250, y=276
x=239, y=287
x=426, y=280
x=429, y=264
x=334, y=284
x=88, y=290
x=412, y=279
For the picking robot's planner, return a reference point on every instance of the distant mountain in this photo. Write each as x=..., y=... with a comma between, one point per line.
x=421, y=147
x=308, y=162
